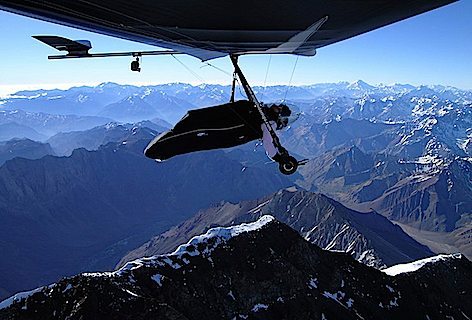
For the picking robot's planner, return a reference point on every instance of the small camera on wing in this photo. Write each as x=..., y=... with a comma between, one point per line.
x=135, y=65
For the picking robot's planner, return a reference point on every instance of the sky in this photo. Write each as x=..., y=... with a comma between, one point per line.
x=432, y=48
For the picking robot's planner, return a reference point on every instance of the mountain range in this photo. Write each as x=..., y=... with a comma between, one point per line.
x=426, y=196
x=87, y=194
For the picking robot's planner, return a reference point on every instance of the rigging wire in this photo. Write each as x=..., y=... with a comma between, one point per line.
x=291, y=77
x=207, y=64
x=116, y=12
x=267, y=72
x=227, y=73
x=190, y=70
x=239, y=88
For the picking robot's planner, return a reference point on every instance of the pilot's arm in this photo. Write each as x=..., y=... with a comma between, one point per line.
x=268, y=142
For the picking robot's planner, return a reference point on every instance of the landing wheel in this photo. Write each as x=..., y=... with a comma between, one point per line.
x=288, y=165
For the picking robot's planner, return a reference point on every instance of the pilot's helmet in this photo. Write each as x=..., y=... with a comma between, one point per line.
x=283, y=116
x=288, y=114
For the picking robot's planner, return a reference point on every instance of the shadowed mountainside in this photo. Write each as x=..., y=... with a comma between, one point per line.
x=65, y=215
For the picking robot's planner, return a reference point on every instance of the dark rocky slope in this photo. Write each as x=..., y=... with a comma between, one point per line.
x=61, y=216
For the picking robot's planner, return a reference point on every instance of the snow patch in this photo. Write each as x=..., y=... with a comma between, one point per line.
x=171, y=263
x=259, y=207
x=111, y=125
x=68, y=287
x=394, y=303
x=334, y=242
x=221, y=234
x=55, y=97
x=99, y=274
x=390, y=289
x=158, y=279
x=82, y=98
x=259, y=307
x=18, y=297
x=292, y=189
x=131, y=293
x=462, y=143
x=415, y=265
x=428, y=159
x=349, y=302
x=313, y=283
x=146, y=92
x=335, y=296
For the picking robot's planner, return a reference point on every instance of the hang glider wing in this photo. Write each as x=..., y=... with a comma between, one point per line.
x=209, y=29
x=295, y=44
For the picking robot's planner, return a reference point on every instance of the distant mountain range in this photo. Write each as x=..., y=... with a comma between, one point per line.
x=39, y=126
x=261, y=270
x=13, y=130
x=326, y=102
x=92, y=139
x=23, y=148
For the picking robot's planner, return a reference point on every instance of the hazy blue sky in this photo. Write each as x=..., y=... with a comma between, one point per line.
x=433, y=48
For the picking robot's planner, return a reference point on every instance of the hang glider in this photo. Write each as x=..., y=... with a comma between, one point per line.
x=209, y=29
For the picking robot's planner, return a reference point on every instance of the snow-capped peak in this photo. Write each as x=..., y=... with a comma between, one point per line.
x=415, y=265
x=20, y=296
x=224, y=233
x=107, y=85
x=360, y=85
x=206, y=243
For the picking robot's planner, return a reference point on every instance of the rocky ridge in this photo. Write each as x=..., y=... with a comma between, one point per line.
x=261, y=270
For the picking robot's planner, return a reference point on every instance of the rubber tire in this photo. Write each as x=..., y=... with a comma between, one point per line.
x=288, y=165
